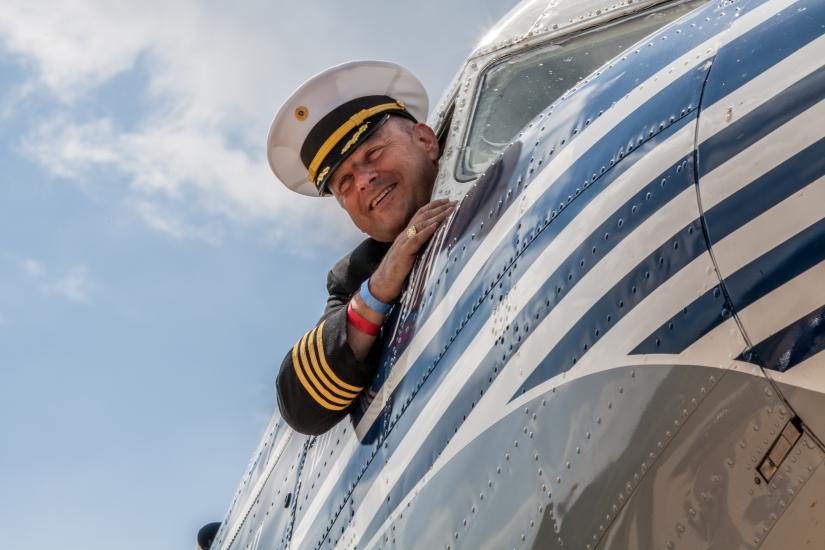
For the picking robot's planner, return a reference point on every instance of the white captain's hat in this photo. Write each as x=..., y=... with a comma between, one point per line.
x=332, y=113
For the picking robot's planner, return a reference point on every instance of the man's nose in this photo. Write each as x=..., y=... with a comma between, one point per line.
x=365, y=177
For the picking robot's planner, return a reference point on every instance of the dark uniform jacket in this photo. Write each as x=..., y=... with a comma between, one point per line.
x=320, y=378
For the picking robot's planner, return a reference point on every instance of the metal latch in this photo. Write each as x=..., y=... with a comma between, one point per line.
x=779, y=450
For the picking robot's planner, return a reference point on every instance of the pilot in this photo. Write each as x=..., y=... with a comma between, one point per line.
x=354, y=132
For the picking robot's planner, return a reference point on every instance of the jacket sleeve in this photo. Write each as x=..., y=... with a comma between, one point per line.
x=320, y=378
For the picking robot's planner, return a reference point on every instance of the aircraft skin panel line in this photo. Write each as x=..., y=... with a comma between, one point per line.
x=274, y=456
x=806, y=335
x=749, y=282
x=692, y=279
x=684, y=245
x=789, y=113
x=333, y=477
x=747, y=129
x=265, y=451
x=785, y=305
x=711, y=462
x=702, y=315
x=716, y=342
x=751, y=239
x=772, y=228
x=807, y=374
x=782, y=59
x=718, y=119
x=790, y=30
x=766, y=191
x=496, y=401
x=775, y=148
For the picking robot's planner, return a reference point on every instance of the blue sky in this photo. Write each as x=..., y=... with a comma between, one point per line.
x=152, y=270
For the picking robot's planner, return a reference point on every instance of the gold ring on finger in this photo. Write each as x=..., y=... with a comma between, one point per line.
x=412, y=231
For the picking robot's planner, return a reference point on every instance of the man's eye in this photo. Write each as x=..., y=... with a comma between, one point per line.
x=343, y=183
x=374, y=153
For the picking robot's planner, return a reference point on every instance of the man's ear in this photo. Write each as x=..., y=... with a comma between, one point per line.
x=424, y=135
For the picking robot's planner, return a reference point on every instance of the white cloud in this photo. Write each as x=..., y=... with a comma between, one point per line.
x=68, y=56
x=202, y=139
x=69, y=150
x=213, y=75
x=166, y=221
x=174, y=163
x=75, y=285
x=14, y=97
x=33, y=268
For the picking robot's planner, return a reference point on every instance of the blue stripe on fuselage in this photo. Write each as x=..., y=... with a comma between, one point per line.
x=766, y=191
x=791, y=345
x=709, y=310
x=755, y=280
x=674, y=254
x=740, y=135
x=763, y=47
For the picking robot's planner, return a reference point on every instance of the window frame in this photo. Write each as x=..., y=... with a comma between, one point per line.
x=460, y=174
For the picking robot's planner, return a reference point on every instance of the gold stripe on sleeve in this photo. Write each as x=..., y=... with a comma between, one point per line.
x=323, y=377
x=296, y=365
x=325, y=365
x=308, y=371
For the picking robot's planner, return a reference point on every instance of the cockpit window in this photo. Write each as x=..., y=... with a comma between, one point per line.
x=516, y=89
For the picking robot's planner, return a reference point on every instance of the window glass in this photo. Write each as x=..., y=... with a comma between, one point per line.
x=513, y=91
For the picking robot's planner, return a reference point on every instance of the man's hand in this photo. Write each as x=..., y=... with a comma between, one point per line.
x=388, y=280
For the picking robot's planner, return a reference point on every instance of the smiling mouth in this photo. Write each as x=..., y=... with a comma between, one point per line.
x=377, y=200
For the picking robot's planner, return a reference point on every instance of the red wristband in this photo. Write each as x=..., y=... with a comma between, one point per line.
x=361, y=324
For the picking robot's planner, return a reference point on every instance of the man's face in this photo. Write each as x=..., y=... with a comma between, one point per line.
x=388, y=178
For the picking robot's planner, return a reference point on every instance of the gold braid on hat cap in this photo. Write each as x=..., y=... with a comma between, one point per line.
x=339, y=134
